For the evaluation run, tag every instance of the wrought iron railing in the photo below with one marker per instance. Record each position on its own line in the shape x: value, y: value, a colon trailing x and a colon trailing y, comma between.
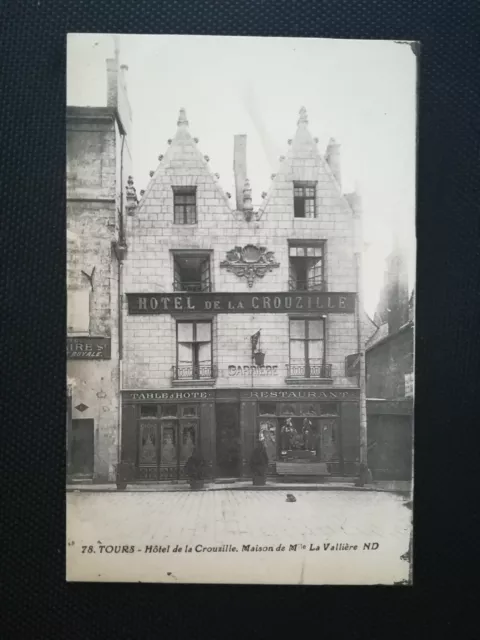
x: 309, y: 370
x: 194, y: 372
x: 312, y: 284
x: 190, y: 287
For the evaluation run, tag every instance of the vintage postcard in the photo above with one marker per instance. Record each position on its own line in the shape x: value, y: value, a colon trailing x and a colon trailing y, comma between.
x: 240, y: 281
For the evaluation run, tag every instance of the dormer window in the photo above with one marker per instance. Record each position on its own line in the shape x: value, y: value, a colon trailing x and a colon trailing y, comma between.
x: 184, y: 205
x: 304, y: 199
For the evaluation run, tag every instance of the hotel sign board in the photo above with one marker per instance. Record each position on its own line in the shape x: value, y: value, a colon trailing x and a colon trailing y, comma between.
x: 87, y: 348
x: 283, y: 302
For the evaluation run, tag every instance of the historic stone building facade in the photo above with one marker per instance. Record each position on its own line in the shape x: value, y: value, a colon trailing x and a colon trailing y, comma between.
x: 237, y: 322
x: 98, y: 161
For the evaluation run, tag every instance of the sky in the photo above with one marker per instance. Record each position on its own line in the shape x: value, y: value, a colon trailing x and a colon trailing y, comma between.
x: 362, y: 93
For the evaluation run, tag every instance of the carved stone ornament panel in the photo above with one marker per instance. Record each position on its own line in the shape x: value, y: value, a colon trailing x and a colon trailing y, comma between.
x: 249, y: 262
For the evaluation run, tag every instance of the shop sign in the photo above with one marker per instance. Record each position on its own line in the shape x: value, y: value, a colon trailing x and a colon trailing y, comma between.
x: 352, y: 365
x: 169, y: 395
x: 250, y: 370
x: 317, y: 302
x: 88, y: 348
x: 307, y: 394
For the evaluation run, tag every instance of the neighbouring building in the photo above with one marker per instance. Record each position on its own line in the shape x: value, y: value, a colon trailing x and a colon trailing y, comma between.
x: 237, y: 321
x: 390, y: 376
x: 98, y: 162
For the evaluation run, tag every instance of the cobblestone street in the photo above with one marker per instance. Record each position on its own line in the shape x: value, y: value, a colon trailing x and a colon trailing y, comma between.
x: 144, y: 528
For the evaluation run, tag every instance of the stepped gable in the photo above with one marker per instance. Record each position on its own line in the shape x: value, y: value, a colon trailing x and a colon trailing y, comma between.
x: 183, y: 165
x: 304, y: 162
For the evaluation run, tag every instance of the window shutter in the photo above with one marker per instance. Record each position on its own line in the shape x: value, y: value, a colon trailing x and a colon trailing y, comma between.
x: 78, y: 311
x: 205, y: 274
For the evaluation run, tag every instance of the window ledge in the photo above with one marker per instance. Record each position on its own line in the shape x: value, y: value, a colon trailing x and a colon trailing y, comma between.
x: 203, y: 382
x: 308, y: 381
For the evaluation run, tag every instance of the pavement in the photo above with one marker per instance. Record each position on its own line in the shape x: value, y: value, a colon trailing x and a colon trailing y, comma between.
x: 239, y: 536
x: 246, y: 485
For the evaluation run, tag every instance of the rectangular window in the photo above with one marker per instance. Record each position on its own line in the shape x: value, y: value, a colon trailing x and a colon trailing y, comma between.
x: 304, y: 199
x: 185, y: 205
x: 148, y: 411
x: 194, y: 350
x: 307, y: 348
x: 191, y: 271
x: 306, y: 267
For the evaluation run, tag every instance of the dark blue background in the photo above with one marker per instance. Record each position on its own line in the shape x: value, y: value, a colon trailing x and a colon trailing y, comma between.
x: 32, y: 345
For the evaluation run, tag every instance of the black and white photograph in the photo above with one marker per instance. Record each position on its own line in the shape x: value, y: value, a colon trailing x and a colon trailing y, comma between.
x: 240, y: 309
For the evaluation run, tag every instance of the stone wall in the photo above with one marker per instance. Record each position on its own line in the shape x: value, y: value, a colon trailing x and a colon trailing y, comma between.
x: 92, y: 145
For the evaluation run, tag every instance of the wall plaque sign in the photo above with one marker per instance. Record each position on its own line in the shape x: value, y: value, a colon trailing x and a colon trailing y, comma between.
x: 249, y: 262
x: 239, y: 370
x: 282, y: 302
x: 86, y: 348
x: 301, y: 394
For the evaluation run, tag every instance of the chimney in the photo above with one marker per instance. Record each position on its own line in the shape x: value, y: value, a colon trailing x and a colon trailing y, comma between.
x: 332, y: 157
x: 240, y: 167
x: 112, y: 82
x: 398, y: 298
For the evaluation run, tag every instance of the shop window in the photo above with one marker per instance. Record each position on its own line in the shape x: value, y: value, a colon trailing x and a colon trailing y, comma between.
x: 329, y: 409
x: 307, y: 349
x: 185, y: 205
x: 189, y: 412
x: 287, y: 410
x: 306, y: 267
x: 148, y: 411
x: 308, y: 410
x: 304, y: 199
x: 191, y: 271
x: 194, y: 350
x: 267, y: 409
x: 169, y: 411
x: 148, y: 444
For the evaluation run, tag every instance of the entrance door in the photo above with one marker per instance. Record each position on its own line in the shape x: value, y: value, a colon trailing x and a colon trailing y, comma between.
x: 178, y: 438
x: 228, y: 440
x: 82, y: 447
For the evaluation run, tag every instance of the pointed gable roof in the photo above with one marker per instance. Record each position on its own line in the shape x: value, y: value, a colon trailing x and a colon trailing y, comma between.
x: 183, y: 163
x: 305, y: 162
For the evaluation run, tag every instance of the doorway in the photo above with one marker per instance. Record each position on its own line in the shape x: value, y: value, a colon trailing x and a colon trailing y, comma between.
x: 81, y: 451
x: 165, y: 445
x: 228, y: 441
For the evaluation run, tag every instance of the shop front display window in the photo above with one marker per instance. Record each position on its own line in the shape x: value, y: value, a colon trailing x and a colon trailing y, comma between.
x: 148, y: 410
x: 267, y: 409
x: 268, y: 435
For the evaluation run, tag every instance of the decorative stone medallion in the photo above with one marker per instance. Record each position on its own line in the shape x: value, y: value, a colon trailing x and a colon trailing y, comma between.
x: 249, y: 262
